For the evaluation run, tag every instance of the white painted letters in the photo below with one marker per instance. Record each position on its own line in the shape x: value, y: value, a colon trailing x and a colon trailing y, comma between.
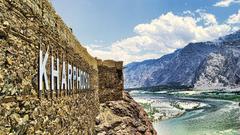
x: 42, y: 71
x: 69, y: 77
x: 79, y: 79
x: 55, y: 73
x: 73, y: 76
x: 64, y: 78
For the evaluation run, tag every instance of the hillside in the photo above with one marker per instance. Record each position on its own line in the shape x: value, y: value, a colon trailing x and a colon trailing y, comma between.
x: 203, y: 64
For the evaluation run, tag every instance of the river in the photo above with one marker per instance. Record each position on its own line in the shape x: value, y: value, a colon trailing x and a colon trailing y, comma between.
x: 219, y: 117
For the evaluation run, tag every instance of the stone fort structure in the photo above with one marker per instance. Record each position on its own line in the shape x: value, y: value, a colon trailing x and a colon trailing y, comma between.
x: 49, y: 84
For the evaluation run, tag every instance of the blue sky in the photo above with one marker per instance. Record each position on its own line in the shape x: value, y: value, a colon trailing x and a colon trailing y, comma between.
x: 134, y: 30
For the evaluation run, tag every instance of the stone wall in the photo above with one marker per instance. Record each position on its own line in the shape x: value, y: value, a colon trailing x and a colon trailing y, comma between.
x: 26, y: 27
x: 30, y: 30
x: 110, y: 80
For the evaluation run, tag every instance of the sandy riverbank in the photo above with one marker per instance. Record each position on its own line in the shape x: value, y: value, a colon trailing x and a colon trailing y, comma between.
x: 160, y: 109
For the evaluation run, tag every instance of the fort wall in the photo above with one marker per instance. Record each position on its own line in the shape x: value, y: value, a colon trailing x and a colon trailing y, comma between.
x: 34, y: 42
x: 110, y: 80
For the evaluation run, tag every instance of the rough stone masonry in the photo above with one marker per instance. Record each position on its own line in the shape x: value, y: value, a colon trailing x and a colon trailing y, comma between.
x: 111, y: 84
x: 48, y: 81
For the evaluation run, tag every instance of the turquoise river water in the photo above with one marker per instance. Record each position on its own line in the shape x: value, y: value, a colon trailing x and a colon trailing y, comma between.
x: 219, y: 117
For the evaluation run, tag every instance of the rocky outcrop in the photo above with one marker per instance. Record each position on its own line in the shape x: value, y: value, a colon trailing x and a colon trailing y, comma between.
x: 204, y: 64
x: 123, y: 117
x: 220, y: 69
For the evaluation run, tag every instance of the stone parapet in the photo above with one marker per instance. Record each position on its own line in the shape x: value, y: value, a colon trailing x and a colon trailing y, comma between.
x: 110, y: 80
x: 110, y: 63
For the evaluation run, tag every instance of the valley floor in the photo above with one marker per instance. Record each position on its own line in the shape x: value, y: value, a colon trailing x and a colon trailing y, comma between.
x: 211, y: 111
x: 163, y: 110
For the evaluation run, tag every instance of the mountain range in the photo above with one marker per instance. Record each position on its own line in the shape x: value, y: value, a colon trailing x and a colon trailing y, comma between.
x: 212, y: 64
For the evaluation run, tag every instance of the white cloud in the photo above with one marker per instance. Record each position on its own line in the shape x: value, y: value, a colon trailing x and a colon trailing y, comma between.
x: 164, y: 35
x: 189, y: 13
x: 226, y: 3
x: 235, y: 18
x: 209, y: 19
x: 119, y: 54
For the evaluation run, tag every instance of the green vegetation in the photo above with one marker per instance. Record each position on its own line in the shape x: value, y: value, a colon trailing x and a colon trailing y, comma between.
x: 232, y: 96
x: 150, y: 110
x: 162, y: 87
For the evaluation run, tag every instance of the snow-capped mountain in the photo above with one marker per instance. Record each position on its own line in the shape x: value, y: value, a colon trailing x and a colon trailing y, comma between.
x: 203, y: 64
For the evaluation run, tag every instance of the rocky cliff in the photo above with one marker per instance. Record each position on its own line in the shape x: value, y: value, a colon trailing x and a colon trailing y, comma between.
x: 204, y: 64
x: 123, y: 117
x: 220, y: 69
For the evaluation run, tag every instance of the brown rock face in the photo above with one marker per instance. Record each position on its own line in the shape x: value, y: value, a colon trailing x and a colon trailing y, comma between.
x: 123, y: 117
